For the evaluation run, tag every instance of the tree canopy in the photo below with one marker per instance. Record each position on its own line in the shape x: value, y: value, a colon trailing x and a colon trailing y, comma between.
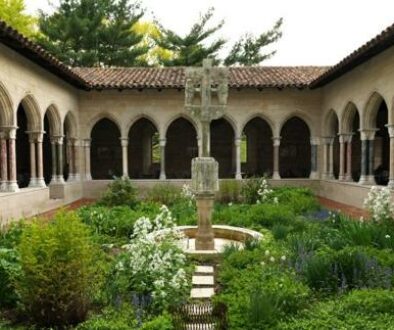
x: 93, y: 33
x: 13, y: 13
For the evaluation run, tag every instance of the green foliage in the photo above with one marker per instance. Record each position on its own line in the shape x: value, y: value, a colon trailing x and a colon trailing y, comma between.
x: 360, y: 309
x: 111, y: 318
x: 121, y: 191
x: 191, y: 49
x: 161, y: 322
x: 301, y: 200
x: 10, y: 236
x: 13, y: 13
x: 59, y: 271
x: 93, y: 33
x: 229, y: 191
x: 249, y: 190
x: 115, y: 222
x: 9, y: 270
x: 247, y: 50
x: 164, y: 194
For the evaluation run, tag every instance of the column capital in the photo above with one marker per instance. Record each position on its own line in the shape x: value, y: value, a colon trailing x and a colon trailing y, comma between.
x: 276, y: 140
x: 162, y: 142
x: 368, y: 134
x: 56, y: 139
x: 315, y: 140
x: 124, y: 142
x: 327, y: 139
x: 390, y: 128
x: 87, y: 142
x: 237, y: 141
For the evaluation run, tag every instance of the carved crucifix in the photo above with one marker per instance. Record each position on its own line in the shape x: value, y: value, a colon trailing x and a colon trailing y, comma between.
x: 211, y: 85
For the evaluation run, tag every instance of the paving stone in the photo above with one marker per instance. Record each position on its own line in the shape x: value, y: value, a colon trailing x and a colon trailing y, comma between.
x: 201, y: 293
x: 204, y: 269
x: 203, y: 280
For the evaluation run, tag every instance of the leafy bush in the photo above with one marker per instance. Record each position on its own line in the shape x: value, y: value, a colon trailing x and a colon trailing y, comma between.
x: 164, y: 194
x: 116, y: 221
x: 268, y: 215
x: 379, y: 204
x: 256, y: 190
x: 161, y: 322
x: 10, y: 236
x: 9, y: 270
x: 360, y: 309
x: 300, y: 200
x: 59, y: 274
x: 121, y: 318
x: 229, y: 191
x: 120, y: 192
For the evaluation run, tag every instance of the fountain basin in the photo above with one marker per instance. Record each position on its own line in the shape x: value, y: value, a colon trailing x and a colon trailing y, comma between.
x: 224, y: 235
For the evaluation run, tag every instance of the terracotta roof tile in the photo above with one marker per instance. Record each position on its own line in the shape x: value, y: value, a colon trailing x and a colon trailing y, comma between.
x: 239, y: 77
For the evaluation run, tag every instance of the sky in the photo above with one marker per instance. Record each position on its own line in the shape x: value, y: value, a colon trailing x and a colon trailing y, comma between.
x: 315, y: 32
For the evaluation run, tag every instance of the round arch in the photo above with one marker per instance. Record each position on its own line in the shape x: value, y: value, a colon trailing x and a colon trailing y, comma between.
x: 100, y: 116
x: 105, y: 151
x: 295, y: 149
x: 33, y: 113
x: 253, y: 116
x: 348, y: 116
x: 181, y: 116
x: 70, y: 127
x: 139, y: 117
x: 55, y: 122
x: 330, y: 124
x: 257, y: 148
x: 143, y: 150
x: 181, y: 148
x: 302, y: 116
x: 6, y: 107
x: 371, y: 110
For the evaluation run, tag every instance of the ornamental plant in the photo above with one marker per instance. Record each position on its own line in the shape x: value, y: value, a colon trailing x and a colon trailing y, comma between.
x: 121, y: 192
x: 379, y: 204
x: 152, y: 270
x: 257, y: 191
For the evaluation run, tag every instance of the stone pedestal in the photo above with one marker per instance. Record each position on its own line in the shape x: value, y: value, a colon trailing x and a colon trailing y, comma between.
x: 205, y: 182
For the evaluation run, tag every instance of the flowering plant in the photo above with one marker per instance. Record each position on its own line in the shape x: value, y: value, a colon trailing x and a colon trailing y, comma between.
x: 379, y: 203
x: 257, y: 191
x: 188, y: 194
x: 265, y: 193
x: 152, y: 265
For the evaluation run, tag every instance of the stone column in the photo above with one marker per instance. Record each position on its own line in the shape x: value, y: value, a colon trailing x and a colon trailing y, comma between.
x: 70, y: 158
x: 331, y: 159
x: 276, y: 145
x: 390, y: 129
x: 367, y: 156
x: 124, y: 142
x: 88, y: 175
x: 314, y: 172
x: 162, y: 143
x: 325, y: 157
x: 199, y: 146
x: 76, y: 157
x: 33, y: 171
x: 237, y: 143
x: 13, y: 182
x: 3, y: 163
x: 60, y: 163
x: 348, y: 176
x: 342, y: 157
x: 40, y: 164
x: 54, y: 162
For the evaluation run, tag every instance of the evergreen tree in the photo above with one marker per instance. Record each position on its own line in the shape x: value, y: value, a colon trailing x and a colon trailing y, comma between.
x: 93, y: 33
x: 247, y: 50
x: 191, y: 49
x: 12, y: 12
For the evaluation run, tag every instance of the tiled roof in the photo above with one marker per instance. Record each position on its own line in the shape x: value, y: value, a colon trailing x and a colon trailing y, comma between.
x: 239, y: 77
x: 373, y: 47
x: 16, y: 41
x: 248, y: 77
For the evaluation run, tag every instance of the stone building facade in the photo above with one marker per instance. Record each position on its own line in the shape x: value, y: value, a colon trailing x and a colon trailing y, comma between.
x: 65, y: 132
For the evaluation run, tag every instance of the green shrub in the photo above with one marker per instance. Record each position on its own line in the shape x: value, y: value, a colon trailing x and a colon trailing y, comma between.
x: 59, y: 272
x: 300, y: 200
x: 111, y: 318
x: 9, y: 270
x: 280, y: 231
x: 249, y: 191
x: 268, y: 215
x: 161, y: 322
x: 360, y: 309
x: 164, y: 194
x: 10, y: 236
x: 229, y: 191
x: 121, y: 191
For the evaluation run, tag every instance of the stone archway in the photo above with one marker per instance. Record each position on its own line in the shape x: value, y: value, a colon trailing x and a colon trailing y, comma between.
x: 70, y: 166
x: 295, y: 149
x: 143, y: 150
x: 257, y: 148
x: 181, y: 148
x: 331, y: 131
x: 223, y: 147
x: 381, y: 162
x: 105, y: 151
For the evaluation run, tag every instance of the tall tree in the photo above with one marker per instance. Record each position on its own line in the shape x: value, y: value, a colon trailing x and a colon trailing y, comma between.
x: 248, y: 49
x: 93, y: 33
x: 13, y: 13
x: 191, y: 49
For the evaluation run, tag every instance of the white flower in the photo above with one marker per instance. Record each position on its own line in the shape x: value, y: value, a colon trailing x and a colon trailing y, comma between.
x: 267, y: 252
x: 262, y: 263
x: 283, y: 258
x: 272, y: 259
x: 230, y: 204
x: 387, y: 236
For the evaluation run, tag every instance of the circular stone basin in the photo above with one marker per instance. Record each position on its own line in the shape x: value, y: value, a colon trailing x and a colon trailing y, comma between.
x: 224, y: 235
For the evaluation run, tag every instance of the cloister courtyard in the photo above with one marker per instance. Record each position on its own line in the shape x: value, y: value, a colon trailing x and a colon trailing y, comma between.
x: 113, y: 215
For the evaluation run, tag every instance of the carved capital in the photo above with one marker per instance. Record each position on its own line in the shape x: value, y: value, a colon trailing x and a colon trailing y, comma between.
x: 162, y: 142
x: 315, y: 140
x: 328, y: 140
x: 276, y: 141
x: 124, y: 142
x: 368, y: 134
x: 390, y: 128
x: 87, y: 143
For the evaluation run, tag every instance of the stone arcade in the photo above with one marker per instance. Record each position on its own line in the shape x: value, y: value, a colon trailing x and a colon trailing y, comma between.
x: 65, y: 132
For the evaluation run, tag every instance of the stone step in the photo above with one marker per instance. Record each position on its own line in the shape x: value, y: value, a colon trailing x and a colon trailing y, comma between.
x: 204, y: 270
x: 203, y: 280
x: 202, y: 293
x: 202, y: 326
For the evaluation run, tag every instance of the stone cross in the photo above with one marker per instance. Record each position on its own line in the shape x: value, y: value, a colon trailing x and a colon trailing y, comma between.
x: 206, y: 82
